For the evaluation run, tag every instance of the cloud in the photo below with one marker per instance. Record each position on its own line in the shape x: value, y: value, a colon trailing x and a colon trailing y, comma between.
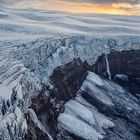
x: 91, y: 1
x: 106, y: 1
x: 100, y: 2
x: 117, y: 1
x: 123, y: 7
x: 8, y: 2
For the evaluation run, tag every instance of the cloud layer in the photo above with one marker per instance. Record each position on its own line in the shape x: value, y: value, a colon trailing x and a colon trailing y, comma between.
x: 108, y: 1
x: 127, y: 7
x: 86, y: 1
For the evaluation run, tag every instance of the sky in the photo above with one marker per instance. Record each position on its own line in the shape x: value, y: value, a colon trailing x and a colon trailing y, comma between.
x: 121, y: 7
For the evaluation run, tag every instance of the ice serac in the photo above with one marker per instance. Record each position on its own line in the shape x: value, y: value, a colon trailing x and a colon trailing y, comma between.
x: 12, y: 121
x: 40, y: 81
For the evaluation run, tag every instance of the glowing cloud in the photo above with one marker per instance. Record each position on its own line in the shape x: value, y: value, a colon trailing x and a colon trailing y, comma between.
x: 122, y: 7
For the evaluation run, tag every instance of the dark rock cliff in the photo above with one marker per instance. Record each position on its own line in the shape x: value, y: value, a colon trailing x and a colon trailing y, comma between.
x: 124, y: 62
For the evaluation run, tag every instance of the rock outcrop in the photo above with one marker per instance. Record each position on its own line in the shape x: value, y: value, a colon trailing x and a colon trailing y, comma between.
x: 125, y: 62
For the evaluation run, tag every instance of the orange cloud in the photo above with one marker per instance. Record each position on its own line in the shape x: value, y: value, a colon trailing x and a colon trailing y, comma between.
x: 114, y: 8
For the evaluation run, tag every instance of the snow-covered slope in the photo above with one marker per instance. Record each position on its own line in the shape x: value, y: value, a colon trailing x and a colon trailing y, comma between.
x: 29, y: 23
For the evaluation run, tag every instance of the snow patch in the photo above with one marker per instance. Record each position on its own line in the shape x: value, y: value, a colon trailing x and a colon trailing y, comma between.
x: 78, y: 127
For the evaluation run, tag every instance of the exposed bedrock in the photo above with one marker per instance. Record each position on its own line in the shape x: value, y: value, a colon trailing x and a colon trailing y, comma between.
x: 125, y: 62
x: 77, y: 101
x: 68, y: 79
x: 123, y: 67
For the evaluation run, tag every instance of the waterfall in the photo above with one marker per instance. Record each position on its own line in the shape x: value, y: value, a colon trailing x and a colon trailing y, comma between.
x: 107, y: 67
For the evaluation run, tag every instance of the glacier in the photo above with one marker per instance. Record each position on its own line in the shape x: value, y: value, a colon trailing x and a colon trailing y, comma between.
x: 24, y: 67
x: 29, y: 54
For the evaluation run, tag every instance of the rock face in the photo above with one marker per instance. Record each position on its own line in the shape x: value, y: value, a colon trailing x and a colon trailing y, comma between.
x: 124, y: 62
x: 35, y: 129
x: 45, y: 83
x: 124, y: 68
x: 69, y: 78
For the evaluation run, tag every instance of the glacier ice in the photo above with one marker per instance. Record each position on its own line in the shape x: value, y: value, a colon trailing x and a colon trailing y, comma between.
x: 78, y: 127
x: 88, y: 85
x: 108, y: 68
x: 27, y: 64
